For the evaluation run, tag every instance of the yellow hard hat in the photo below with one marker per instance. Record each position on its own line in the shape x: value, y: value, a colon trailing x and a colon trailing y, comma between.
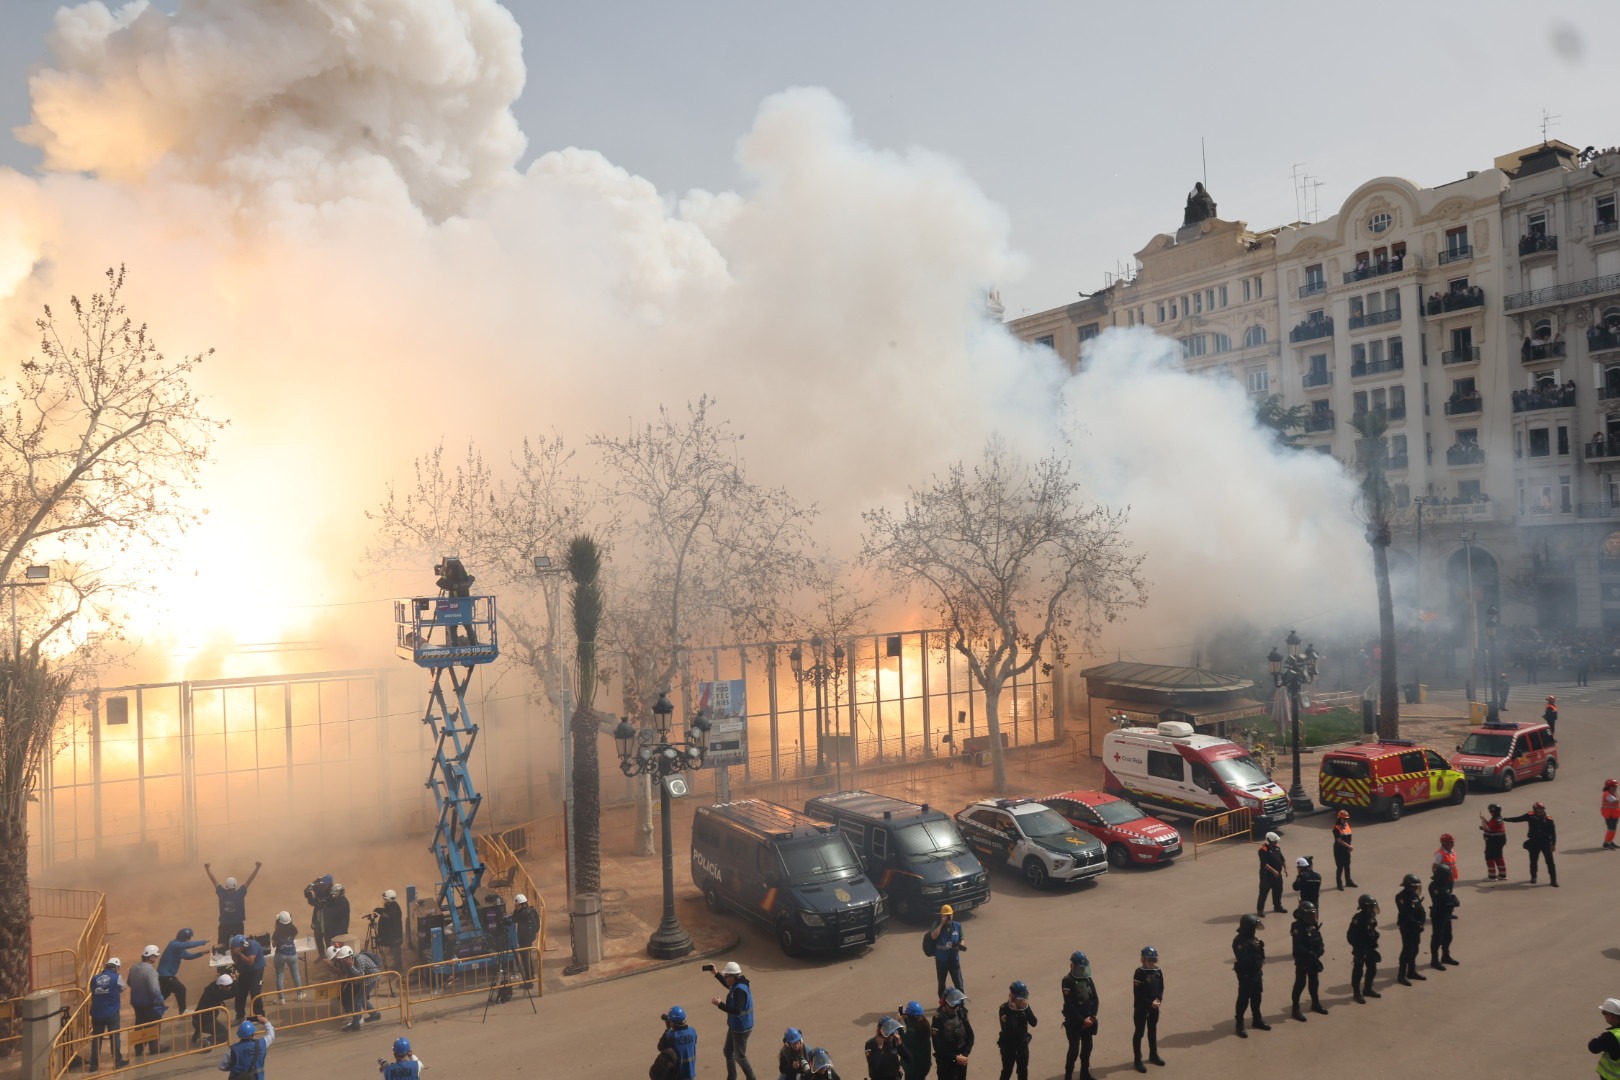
x: 947, y: 910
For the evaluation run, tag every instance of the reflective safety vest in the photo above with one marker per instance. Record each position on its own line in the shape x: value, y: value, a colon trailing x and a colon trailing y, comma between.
x: 1607, y: 1067
x: 1448, y: 859
x: 407, y: 1069
x: 684, y: 1040
x: 743, y: 1018
x: 246, y: 1059
x: 106, y: 994
x: 1609, y: 807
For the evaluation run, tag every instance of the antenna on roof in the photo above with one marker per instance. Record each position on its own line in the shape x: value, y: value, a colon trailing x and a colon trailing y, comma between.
x: 1299, y: 209
x: 1548, y: 122
x: 1204, y: 157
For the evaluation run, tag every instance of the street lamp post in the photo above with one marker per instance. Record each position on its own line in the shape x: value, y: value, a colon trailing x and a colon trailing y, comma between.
x: 1290, y: 673
x: 1493, y: 619
x: 32, y: 577
x: 820, y: 673
x: 651, y: 752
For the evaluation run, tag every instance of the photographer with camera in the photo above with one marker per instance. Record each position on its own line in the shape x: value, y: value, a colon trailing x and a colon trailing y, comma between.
x: 526, y: 918
x: 405, y: 1066
x: 388, y: 930
x: 337, y: 913
x: 317, y: 893
x: 738, y: 1005
x: 677, y: 1048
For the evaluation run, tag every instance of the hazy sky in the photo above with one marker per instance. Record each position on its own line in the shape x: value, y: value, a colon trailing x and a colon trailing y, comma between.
x: 1082, y: 120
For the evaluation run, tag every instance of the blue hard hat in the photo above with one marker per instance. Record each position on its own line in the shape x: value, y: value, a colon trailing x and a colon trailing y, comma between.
x: 237, y: 939
x: 792, y: 1035
x: 1019, y: 989
x: 1078, y: 957
x: 1149, y: 953
x: 186, y: 933
x: 326, y: 879
x: 402, y: 1046
x: 912, y: 1008
x: 677, y: 1014
x: 888, y: 1026
x: 246, y: 1030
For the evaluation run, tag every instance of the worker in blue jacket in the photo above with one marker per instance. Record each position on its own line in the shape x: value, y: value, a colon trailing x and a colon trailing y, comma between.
x: 106, y: 1002
x: 245, y: 1058
x: 181, y: 948
x: 682, y: 1040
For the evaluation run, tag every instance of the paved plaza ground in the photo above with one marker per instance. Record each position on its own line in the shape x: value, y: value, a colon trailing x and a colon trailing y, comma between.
x: 1535, y: 960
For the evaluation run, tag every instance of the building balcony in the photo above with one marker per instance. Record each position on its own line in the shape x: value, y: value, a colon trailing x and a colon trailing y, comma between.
x: 1375, y: 318
x: 1392, y: 412
x: 1462, y: 253
x: 1311, y: 330
x: 1531, y: 245
x: 1465, y: 455
x: 1318, y: 422
x: 1443, y: 303
x: 1460, y: 356
x: 1608, y: 393
x: 1602, y: 450
x: 1317, y: 378
x: 1561, y: 397
x: 1312, y: 288
x: 1481, y: 510
x: 1377, y: 367
x: 1602, y: 339
x: 1464, y: 406
x: 1397, y: 463
x: 1382, y: 268
x: 1555, y: 294
x: 1533, y: 351
x: 1599, y: 511
x: 1604, y: 228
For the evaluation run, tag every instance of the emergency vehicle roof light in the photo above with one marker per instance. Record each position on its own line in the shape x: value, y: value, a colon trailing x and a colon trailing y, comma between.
x: 1399, y: 742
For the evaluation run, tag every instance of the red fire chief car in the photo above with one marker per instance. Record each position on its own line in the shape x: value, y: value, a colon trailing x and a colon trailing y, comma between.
x: 1131, y: 837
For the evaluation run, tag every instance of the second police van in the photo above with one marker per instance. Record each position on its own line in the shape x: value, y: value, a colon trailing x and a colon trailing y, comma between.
x: 1174, y: 769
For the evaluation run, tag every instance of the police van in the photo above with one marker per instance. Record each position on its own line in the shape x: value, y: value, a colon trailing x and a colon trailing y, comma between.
x: 794, y: 875
x: 1172, y: 768
x: 912, y: 851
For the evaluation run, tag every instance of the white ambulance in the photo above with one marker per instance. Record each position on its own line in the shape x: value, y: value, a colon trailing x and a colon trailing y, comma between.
x: 1171, y: 768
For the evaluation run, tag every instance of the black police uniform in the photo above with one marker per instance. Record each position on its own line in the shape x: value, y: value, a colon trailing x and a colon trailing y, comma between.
x: 1443, y: 905
x: 1079, y: 1005
x: 1308, y: 951
x: 1146, y: 988
x: 1013, y: 1041
x: 1249, y: 960
x: 953, y: 1035
x: 1363, y: 939
x: 1542, y: 838
x: 1271, y: 878
x: 886, y: 1059
x: 1308, y: 883
x: 1410, y: 919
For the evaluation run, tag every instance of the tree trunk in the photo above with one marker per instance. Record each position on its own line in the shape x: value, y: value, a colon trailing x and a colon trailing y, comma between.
x: 16, y: 932
x: 1389, y: 704
x: 992, y: 721
x: 587, y: 802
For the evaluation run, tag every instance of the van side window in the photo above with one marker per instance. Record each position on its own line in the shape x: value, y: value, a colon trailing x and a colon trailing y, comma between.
x: 1202, y: 777
x: 766, y: 856
x: 1534, y: 740
x: 737, y: 846
x: 705, y: 833
x: 1435, y: 760
x: 856, y: 833
x: 1412, y: 761
x: 880, y: 843
x: 1164, y: 766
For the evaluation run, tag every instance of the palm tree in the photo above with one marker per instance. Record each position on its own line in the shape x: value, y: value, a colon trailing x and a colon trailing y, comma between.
x: 584, y: 563
x: 1377, y: 503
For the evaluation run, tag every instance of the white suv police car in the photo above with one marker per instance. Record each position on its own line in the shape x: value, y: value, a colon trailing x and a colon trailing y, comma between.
x: 1032, y: 838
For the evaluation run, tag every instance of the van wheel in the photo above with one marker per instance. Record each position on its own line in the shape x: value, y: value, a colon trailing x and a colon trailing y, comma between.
x: 1550, y: 773
x: 1459, y: 792
x: 1035, y: 873
x: 711, y: 898
x: 904, y: 910
x: 1507, y: 779
x: 1393, y: 810
x: 786, y: 938
x: 1118, y: 857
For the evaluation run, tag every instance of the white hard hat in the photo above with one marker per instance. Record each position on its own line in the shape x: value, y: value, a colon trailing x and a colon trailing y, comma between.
x: 151, y: 950
x: 223, y: 980
x: 1302, y: 862
x: 230, y: 883
x: 115, y: 962
x: 283, y: 917
x: 331, y: 952
x: 1611, y: 1006
x: 390, y: 894
x: 520, y: 899
x: 1272, y: 838
x: 344, y: 952
x: 731, y: 969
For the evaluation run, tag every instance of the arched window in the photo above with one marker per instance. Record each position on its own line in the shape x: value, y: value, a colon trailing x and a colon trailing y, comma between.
x: 1253, y: 336
x: 1542, y: 330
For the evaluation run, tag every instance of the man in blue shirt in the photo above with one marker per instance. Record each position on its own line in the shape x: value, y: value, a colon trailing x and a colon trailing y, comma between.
x: 181, y: 948
x: 106, y: 1001
x: 232, y: 903
x: 245, y: 1058
x: 947, y: 935
x: 248, y: 955
x: 405, y: 1066
x: 682, y: 1040
x: 738, y: 1005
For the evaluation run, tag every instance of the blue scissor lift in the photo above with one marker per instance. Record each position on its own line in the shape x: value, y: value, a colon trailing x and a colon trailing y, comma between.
x: 449, y: 635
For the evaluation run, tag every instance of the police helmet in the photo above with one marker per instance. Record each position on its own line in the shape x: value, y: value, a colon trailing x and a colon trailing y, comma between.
x: 246, y: 1030
x: 953, y: 997
x: 912, y: 1008
x: 676, y: 1014
x: 1302, y: 862
x: 793, y: 1035
x: 1447, y: 839
x: 402, y: 1046
x: 1149, y: 953
x: 186, y: 934
x: 1305, y: 908
x: 1495, y: 808
x: 1539, y: 806
x: 888, y: 1026
x: 1411, y: 881
x: 1251, y: 923
x: 1078, y: 957
x: 819, y: 1060
x: 1367, y: 901
x: 1019, y: 989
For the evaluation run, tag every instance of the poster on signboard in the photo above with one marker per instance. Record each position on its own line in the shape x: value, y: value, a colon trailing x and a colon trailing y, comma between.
x: 725, y: 704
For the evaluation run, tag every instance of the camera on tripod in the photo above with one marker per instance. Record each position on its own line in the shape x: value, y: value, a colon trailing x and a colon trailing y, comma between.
x: 371, y: 917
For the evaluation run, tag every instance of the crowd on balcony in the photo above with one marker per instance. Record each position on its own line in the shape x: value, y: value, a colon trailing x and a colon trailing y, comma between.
x: 1532, y: 242
x: 1546, y: 395
x: 1465, y: 402
x: 1601, y: 445
x: 1604, y: 335
x: 1463, y: 452
x: 1477, y: 499
x: 1384, y: 264
x: 1540, y: 346
x: 1314, y: 325
x: 1456, y: 299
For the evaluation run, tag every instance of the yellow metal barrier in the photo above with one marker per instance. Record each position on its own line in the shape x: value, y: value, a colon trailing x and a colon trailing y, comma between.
x: 1232, y: 824
x: 336, y: 999
x: 517, y: 970
x: 504, y: 870
x: 11, y: 1017
x: 163, y: 1040
x: 63, y: 903
x: 50, y: 970
x: 91, y: 949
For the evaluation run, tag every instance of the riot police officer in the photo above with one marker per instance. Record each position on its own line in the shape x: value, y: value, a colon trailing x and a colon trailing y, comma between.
x: 1307, y: 882
x: 953, y: 1036
x: 1443, y: 905
x: 1248, y: 963
x: 886, y: 1053
x: 1308, y: 950
x: 1147, y: 993
x: 1410, y: 918
x: 1363, y: 939
x: 1016, y: 1019
x: 1079, y: 1015
x: 918, y: 1039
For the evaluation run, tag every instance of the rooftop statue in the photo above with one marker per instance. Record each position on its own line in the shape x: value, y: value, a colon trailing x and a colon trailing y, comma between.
x: 1200, y: 206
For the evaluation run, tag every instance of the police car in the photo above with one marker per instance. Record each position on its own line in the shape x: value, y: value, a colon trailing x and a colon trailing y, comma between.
x: 1032, y: 838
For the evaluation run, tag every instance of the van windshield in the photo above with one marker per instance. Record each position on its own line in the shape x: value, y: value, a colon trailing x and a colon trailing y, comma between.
x: 930, y: 840
x: 1239, y: 772
x: 1492, y: 745
x: 824, y: 857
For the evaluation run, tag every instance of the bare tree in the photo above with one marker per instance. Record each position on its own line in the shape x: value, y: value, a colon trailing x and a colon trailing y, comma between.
x: 1018, y: 565
x: 1377, y: 508
x: 100, y: 434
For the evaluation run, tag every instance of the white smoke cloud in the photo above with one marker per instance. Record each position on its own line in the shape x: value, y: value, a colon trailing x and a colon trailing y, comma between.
x: 327, y: 192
